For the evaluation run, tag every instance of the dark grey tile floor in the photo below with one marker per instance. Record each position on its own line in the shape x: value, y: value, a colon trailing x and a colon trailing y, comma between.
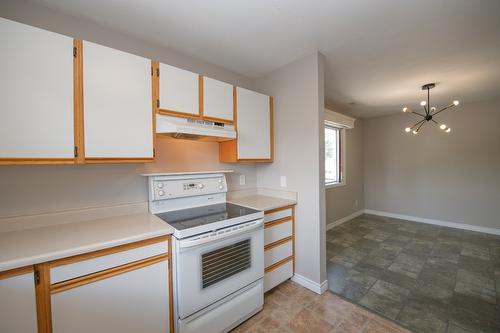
x: 425, y: 277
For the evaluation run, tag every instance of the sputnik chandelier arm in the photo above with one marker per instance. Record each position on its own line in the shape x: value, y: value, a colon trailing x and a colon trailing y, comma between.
x: 430, y: 112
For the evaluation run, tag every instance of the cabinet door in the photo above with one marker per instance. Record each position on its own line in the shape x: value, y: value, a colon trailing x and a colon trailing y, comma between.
x: 18, y: 304
x: 254, y: 125
x: 217, y: 100
x: 178, y: 91
x: 134, y: 301
x: 36, y: 95
x: 117, y: 104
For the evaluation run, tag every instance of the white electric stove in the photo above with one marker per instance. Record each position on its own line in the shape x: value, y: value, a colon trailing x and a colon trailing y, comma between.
x: 218, y: 251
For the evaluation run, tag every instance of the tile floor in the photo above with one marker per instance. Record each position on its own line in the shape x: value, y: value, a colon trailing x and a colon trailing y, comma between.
x: 425, y: 277
x: 293, y: 308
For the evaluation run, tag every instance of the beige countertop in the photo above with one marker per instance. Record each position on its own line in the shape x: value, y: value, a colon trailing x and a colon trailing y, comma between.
x: 30, y: 246
x: 262, y: 202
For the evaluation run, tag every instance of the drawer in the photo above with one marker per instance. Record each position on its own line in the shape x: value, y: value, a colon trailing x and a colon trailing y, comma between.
x: 278, y: 275
x: 84, y: 267
x: 277, y: 253
x: 277, y: 215
x: 273, y: 233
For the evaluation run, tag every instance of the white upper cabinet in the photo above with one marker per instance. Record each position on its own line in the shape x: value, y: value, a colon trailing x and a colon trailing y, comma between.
x: 36, y: 93
x: 254, y: 125
x: 18, y: 304
x: 117, y: 104
x: 178, y: 90
x: 217, y: 100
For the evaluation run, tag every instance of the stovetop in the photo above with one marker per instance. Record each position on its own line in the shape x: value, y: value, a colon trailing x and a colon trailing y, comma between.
x: 201, y: 218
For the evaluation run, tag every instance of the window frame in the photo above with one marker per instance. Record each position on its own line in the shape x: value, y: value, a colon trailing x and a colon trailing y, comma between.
x: 341, y: 156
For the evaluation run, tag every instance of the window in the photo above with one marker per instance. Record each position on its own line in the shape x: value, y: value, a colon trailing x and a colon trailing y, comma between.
x: 333, y: 155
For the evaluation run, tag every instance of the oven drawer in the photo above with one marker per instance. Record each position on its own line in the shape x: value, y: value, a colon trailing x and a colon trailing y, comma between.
x: 278, y: 275
x: 278, y: 215
x: 84, y: 267
x: 275, y: 232
x: 227, y: 313
x: 278, y: 253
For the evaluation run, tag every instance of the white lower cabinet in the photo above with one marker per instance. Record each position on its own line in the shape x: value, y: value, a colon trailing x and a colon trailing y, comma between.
x: 17, y: 304
x: 134, y: 301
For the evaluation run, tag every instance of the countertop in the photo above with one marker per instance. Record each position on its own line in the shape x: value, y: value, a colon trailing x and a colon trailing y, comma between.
x: 25, y: 247
x: 262, y: 202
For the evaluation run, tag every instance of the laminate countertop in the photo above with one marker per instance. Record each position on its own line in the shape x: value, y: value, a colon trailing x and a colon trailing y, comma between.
x: 29, y: 246
x: 262, y: 202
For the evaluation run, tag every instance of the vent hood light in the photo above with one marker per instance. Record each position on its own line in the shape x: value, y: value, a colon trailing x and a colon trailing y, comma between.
x: 193, y: 129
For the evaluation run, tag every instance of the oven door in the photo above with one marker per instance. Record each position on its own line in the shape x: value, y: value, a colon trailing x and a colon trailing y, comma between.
x: 212, y: 269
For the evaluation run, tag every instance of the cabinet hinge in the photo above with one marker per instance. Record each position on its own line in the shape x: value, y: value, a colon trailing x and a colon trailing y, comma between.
x: 157, y: 103
x: 76, y: 151
x: 157, y: 72
x: 36, y: 276
x: 74, y: 51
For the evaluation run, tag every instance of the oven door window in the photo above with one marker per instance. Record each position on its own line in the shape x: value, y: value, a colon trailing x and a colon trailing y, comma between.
x: 224, y: 262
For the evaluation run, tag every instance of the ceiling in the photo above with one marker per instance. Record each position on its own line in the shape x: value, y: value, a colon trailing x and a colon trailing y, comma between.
x: 378, y: 53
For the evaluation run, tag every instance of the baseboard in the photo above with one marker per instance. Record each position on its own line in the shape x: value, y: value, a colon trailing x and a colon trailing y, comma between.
x: 344, y: 219
x: 455, y: 225
x: 318, y: 288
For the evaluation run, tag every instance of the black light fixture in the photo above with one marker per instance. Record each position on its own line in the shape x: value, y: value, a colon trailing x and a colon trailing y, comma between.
x: 430, y: 112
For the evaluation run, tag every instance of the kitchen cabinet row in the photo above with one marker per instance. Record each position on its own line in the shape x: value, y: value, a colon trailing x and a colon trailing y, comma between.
x: 64, y: 100
x: 122, y: 289
x: 279, y: 246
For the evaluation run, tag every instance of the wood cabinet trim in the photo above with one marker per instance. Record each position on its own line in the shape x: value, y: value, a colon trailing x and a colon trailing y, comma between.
x: 293, y: 237
x: 105, y: 274
x: 278, y: 264
x: 118, y: 160
x: 155, y: 95
x: 42, y: 295
x: 200, y: 96
x: 15, y: 272
x: 104, y: 252
x: 273, y: 223
x: 278, y: 243
x: 274, y: 210
x: 78, y: 117
x: 170, y: 287
x: 43, y: 160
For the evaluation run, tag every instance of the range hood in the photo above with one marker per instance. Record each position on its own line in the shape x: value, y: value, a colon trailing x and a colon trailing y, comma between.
x: 193, y: 129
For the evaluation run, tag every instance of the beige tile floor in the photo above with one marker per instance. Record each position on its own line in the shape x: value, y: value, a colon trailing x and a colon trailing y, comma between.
x: 293, y: 308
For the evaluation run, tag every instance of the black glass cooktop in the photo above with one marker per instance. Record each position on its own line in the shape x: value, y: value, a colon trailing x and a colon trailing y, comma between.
x: 195, y: 217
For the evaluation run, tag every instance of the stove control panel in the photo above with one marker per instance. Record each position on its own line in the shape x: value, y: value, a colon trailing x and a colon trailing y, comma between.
x: 162, y: 188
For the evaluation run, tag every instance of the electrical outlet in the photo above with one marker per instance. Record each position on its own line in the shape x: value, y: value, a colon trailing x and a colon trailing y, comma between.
x: 283, y: 181
x: 242, y: 180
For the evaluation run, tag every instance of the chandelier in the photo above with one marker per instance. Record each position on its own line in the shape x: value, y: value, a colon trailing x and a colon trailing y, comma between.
x: 430, y: 112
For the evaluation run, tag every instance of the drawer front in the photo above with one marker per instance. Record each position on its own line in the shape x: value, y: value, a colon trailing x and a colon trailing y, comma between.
x: 278, y: 231
x: 278, y: 275
x: 277, y: 253
x: 84, y: 267
x: 278, y: 215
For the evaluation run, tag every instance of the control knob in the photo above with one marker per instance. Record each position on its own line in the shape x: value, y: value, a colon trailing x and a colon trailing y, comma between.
x: 200, y: 186
x: 161, y: 192
x: 160, y: 185
x: 221, y: 187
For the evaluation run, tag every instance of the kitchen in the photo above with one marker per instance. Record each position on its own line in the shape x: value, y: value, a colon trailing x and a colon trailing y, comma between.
x: 76, y: 263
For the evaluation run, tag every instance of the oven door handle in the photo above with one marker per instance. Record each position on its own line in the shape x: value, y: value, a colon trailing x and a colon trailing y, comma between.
x: 221, y: 234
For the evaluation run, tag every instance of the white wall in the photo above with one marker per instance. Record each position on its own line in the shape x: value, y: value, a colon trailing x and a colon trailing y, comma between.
x: 298, y: 93
x: 451, y: 177
x: 341, y: 201
x: 36, y: 189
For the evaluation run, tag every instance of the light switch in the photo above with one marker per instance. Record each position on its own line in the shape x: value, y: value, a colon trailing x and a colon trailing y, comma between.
x: 242, y: 180
x: 283, y: 181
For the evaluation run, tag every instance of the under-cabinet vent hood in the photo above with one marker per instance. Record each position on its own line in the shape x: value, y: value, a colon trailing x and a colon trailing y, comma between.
x: 194, y: 129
